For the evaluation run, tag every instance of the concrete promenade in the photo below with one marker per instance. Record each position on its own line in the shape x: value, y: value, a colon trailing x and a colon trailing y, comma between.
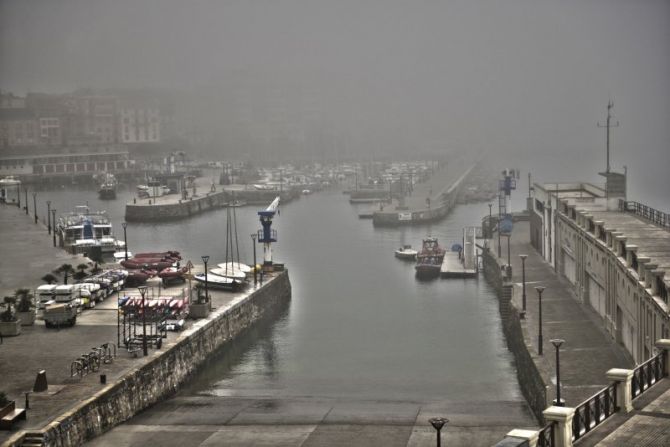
x: 586, y: 355
x: 38, y: 348
x: 588, y: 351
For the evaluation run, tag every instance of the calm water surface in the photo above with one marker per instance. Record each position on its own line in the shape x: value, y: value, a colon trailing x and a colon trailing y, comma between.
x: 359, y: 325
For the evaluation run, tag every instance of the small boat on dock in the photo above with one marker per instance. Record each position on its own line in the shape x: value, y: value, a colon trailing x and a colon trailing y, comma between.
x: 229, y: 273
x: 235, y: 266
x: 406, y: 252
x: 218, y: 282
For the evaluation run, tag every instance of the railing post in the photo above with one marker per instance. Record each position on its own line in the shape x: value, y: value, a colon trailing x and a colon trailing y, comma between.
x: 624, y: 387
x: 529, y: 435
x: 663, y: 344
x: 562, y: 416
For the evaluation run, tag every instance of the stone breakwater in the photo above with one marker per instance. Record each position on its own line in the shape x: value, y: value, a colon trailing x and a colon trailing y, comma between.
x: 161, y: 210
x: 166, y: 370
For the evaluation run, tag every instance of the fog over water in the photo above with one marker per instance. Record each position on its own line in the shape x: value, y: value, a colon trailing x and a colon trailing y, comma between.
x: 524, y: 79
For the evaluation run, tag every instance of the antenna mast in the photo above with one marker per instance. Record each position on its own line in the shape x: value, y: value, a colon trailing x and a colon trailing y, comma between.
x: 607, y: 125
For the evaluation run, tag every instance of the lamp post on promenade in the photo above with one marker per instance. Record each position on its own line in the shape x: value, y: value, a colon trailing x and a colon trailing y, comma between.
x: 437, y: 424
x: 539, y: 289
x: 557, y: 342
x: 205, y: 260
x: 523, y: 281
x: 26, y: 201
x: 143, y: 291
x: 18, y: 195
x: 53, y: 215
x: 49, y: 216
x: 509, y: 263
x: 125, y: 238
x: 253, y: 243
x: 35, y: 205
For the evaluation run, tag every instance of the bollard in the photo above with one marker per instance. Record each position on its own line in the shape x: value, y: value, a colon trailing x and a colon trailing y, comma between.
x: 27, y: 401
x: 41, y: 383
x: 103, y: 379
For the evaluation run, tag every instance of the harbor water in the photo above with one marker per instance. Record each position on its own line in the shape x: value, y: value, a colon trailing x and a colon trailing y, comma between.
x: 359, y: 326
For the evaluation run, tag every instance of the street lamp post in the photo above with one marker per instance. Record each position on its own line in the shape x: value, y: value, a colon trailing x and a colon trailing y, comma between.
x: 539, y: 289
x: 509, y: 263
x: 143, y: 291
x: 125, y: 238
x: 557, y: 342
x: 26, y: 201
x: 49, y: 216
x: 523, y: 281
x: 205, y: 260
x: 253, y: 238
x: 53, y: 215
x: 437, y: 424
x: 18, y: 195
x: 35, y: 205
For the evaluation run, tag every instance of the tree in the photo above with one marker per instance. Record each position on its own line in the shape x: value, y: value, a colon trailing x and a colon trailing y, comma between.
x: 81, y: 272
x: 8, y: 314
x: 49, y: 278
x: 65, y: 269
x: 24, y: 300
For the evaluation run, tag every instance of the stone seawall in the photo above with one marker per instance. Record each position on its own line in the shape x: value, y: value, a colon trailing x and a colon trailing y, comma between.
x: 181, y: 209
x: 533, y: 385
x: 167, y: 370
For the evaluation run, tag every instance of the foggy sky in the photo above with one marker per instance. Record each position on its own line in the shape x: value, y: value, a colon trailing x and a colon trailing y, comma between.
x: 527, y: 80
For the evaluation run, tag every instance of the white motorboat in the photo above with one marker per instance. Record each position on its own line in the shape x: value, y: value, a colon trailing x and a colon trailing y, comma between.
x: 235, y: 266
x: 406, y: 252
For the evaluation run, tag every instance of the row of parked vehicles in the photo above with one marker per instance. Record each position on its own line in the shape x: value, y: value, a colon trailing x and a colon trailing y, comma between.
x: 59, y: 305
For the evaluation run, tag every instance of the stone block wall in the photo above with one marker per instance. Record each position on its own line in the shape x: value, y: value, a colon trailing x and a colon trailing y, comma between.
x: 162, y: 376
x: 531, y: 381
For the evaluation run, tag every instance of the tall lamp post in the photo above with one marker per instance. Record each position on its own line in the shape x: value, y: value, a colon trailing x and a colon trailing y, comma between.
x: 143, y: 291
x: 125, y: 238
x: 53, y: 215
x: 509, y: 263
x: 253, y: 238
x: 49, y: 216
x: 437, y: 424
x: 35, y: 205
x: 557, y: 342
x: 205, y: 260
x: 523, y: 281
x: 26, y: 201
x: 539, y: 289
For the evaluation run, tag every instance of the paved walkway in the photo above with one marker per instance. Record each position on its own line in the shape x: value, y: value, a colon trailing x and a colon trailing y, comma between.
x: 588, y: 351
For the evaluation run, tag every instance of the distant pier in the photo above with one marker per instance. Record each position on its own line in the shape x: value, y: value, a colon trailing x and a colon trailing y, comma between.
x: 429, y: 201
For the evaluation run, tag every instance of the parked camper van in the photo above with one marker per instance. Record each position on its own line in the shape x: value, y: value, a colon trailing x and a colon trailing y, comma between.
x: 44, y: 294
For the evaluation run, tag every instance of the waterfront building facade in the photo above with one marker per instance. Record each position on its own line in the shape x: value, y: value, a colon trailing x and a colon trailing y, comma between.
x: 615, y: 253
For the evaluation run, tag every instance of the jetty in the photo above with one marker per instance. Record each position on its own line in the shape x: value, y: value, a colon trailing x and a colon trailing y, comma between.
x: 427, y: 201
x: 203, y: 195
x: 462, y: 264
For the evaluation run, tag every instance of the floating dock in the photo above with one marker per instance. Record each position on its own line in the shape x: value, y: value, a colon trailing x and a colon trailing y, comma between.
x: 463, y: 264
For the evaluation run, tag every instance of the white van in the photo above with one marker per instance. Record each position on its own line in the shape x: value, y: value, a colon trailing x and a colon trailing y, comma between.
x: 82, y: 293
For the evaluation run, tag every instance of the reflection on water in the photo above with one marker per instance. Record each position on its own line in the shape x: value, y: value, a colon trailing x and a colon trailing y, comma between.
x: 359, y: 325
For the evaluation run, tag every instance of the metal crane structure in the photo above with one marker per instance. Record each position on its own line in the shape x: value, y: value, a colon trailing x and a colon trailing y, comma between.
x: 267, y: 235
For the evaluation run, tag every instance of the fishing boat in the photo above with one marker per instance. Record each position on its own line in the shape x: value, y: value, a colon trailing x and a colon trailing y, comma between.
x: 406, y: 252
x: 82, y: 229
x: 218, y: 282
x: 430, y: 247
x: 107, y: 186
x: 428, y: 266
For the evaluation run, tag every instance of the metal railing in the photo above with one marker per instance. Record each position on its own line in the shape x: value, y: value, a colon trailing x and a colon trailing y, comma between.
x: 546, y: 436
x: 653, y: 215
x: 647, y: 374
x: 594, y: 411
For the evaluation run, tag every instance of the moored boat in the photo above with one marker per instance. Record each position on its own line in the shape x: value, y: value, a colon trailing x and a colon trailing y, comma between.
x: 236, y: 266
x: 430, y: 247
x: 107, y: 186
x: 171, y: 274
x: 428, y: 266
x: 229, y: 273
x: 218, y: 282
x: 406, y: 252
x: 83, y: 229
